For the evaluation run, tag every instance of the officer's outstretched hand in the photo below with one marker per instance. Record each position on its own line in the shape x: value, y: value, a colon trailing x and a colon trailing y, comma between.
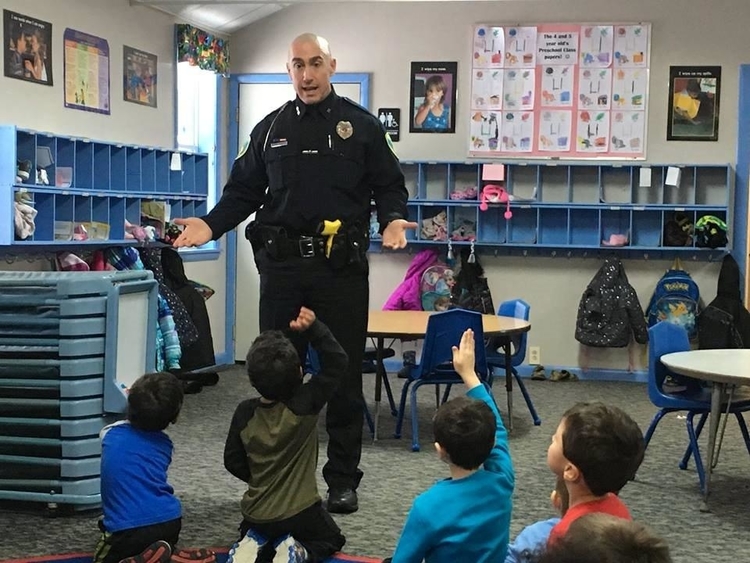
x: 196, y: 232
x: 304, y: 320
x: 394, y: 235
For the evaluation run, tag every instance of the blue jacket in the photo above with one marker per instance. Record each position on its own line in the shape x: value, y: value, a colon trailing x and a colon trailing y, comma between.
x: 532, y: 538
x: 135, y: 491
x: 464, y: 519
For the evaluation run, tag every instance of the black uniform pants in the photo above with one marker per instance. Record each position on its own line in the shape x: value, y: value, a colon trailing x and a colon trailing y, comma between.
x: 313, y: 528
x: 339, y: 298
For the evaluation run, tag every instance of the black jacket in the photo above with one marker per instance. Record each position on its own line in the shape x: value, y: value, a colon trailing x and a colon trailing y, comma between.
x: 307, y: 163
x: 609, y: 311
x: 725, y: 323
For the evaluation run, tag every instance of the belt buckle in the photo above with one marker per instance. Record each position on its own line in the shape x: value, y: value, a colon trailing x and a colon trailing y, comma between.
x: 306, y: 247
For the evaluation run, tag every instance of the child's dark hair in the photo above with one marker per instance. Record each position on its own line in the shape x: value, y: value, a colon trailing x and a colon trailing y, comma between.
x: 604, y: 443
x: 154, y: 401
x: 273, y: 366
x: 465, y: 429
x: 603, y: 538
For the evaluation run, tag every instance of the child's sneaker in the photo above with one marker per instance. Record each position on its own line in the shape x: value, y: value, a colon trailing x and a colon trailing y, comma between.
x: 157, y: 552
x: 246, y: 550
x: 288, y: 550
x: 193, y: 556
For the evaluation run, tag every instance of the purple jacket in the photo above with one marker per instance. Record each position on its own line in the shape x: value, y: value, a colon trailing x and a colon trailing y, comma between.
x: 407, y: 297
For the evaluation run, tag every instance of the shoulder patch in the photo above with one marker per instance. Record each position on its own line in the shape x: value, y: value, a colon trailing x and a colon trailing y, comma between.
x: 390, y: 144
x: 243, y: 149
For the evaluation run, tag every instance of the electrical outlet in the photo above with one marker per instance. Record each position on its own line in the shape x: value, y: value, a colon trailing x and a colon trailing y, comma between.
x: 535, y: 355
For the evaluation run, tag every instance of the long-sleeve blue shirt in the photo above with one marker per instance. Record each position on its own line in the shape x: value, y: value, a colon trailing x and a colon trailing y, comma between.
x: 464, y: 519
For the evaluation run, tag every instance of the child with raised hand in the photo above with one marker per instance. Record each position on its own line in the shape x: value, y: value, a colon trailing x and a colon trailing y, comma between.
x: 272, y: 446
x: 467, y: 516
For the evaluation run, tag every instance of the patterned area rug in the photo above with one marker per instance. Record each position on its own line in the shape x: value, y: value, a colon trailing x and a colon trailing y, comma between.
x: 221, y: 557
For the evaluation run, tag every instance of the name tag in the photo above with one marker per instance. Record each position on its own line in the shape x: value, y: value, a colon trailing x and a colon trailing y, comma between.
x: 276, y: 143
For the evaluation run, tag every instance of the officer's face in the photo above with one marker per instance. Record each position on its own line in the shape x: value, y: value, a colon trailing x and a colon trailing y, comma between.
x: 310, y: 69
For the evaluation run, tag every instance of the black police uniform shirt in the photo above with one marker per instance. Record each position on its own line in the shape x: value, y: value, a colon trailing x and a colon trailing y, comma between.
x: 308, y: 163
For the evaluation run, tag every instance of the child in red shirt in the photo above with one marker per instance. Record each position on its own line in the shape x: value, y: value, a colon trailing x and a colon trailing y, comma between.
x: 596, y: 449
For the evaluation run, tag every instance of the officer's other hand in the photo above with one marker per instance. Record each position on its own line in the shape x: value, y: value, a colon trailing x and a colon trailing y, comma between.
x: 196, y: 232
x: 304, y: 320
x: 394, y: 235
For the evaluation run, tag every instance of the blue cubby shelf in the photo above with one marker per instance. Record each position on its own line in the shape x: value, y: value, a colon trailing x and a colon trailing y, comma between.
x: 567, y: 209
x: 92, y: 181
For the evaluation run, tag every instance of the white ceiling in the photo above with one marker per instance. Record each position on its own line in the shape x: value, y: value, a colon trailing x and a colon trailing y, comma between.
x: 227, y: 16
x: 223, y: 18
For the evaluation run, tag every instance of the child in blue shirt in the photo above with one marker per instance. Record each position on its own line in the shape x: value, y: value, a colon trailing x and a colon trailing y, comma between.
x: 533, y: 538
x: 138, y: 503
x: 465, y: 517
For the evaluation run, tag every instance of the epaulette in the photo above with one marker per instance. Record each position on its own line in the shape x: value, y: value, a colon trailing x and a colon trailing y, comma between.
x: 355, y: 104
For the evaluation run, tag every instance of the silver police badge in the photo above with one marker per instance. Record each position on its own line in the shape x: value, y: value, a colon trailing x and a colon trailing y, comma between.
x: 344, y: 129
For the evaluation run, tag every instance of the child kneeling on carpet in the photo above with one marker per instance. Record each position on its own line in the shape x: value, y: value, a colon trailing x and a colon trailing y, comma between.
x: 272, y: 446
x: 466, y: 517
x: 596, y: 449
x: 138, y: 503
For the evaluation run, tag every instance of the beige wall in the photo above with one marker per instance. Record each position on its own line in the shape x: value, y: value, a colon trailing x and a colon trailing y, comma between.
x: 32, y: 106
x: 383, y: 38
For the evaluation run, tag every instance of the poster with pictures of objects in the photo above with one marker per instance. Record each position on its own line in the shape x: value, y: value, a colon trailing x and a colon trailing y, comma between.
x: 139, y: 77
x: 558, y: 90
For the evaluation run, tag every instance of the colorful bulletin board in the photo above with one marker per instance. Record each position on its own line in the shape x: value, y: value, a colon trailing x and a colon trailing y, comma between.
x: 560, y: 91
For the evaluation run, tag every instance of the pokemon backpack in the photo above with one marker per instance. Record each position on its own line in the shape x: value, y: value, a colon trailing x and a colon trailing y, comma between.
x: 676, y: 300
x: 435, y: 287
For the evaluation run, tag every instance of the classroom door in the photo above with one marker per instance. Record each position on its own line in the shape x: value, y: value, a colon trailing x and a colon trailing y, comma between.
x: 256, y: 100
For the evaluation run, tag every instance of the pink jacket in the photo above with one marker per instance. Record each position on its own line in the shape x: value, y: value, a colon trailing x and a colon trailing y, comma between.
x: 406, y: 297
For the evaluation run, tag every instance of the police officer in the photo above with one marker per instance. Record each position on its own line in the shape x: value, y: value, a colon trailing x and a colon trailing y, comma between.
x: 311, y: 170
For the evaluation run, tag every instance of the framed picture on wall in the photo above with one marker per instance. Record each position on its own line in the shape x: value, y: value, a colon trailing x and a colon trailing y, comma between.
x: 432, y: 102
x: 28, y: 48
x: 139, y: 76
x: 694, y: 93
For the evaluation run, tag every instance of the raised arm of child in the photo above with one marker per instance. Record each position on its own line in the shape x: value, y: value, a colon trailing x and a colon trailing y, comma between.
x: 311, y: 397
x: 464, y: 363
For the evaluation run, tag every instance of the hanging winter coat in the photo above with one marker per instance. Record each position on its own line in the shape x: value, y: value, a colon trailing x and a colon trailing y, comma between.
x: 725, y: 323
x: 609, y: 311
x: 407, y: 297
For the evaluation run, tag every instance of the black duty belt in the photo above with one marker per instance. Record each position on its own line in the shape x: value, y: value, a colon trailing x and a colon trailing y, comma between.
x: 302, y: 246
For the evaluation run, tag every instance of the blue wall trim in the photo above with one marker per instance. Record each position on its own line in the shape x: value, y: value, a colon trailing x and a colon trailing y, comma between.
x: 742, y: 173
x: 232, y: 149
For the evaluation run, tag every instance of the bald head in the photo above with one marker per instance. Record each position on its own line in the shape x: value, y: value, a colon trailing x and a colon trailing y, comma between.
x: 320, y: 42
x: 310, y: 66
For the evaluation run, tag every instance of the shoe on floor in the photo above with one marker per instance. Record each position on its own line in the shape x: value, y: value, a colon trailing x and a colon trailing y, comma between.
x: 538, y: 373
x: 562, y: 375
x: 289, y: 550
x: 157, y: 552
x: 342, y: 501
x: 246, y: 550
x: 193, y: 556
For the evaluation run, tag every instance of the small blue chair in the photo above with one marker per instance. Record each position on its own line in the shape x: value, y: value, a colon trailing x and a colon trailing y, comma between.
x: 444, y: 330
x: 665, y: 338
x: 519, y: 309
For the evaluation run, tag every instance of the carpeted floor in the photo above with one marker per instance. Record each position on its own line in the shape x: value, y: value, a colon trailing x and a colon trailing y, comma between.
x: 663, y: 496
